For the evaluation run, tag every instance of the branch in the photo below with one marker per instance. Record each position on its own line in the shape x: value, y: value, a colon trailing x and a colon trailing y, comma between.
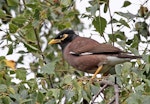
x: 106, y: 84
x: 111, y: 18
x: 43, y: 57
x: 145, y: 2
x: 38, y: 43
x: 116, y: 94
x: 98, y: 93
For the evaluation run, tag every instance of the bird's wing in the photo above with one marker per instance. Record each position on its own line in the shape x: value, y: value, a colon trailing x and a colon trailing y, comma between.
x: 82, y: 45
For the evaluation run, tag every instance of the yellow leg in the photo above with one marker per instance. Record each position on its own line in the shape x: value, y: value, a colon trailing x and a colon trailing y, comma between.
x: 97, y: 71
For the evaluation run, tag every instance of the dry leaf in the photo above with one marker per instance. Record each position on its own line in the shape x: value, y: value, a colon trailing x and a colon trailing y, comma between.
x: 10, y: 63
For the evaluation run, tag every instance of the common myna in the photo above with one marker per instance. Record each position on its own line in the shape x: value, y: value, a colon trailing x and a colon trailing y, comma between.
x: 88, y: 55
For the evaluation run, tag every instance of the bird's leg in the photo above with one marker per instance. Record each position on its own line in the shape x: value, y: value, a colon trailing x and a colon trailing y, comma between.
x: 97, y: 71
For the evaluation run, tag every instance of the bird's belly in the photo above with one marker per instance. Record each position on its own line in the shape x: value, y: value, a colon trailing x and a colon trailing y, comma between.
x: 105, y: 69
x: 87, y: 63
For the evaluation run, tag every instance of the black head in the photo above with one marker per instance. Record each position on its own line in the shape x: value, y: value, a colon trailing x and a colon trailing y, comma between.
x: 63, y: 38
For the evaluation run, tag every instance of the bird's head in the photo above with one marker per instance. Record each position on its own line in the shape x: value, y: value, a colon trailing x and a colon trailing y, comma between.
x: 63, y: 38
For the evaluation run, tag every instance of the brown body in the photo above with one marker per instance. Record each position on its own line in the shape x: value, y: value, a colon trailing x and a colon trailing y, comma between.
x: 90, y: 62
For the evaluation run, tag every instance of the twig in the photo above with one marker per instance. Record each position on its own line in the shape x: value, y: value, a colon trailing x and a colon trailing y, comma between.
x: 106, y: 84
x: 38, y: 43
x: 43, y: 57
x: 111, y: 18
x: 116, y: 94
x: 145, y: 2
x: 99, y: 93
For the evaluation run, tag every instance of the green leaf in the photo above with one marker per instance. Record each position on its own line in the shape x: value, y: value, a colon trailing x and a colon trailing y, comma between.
x: 11, y: 89
x: 30, y: 33
x: 12, y: 2
x: 40, y: 97
x: 94, y: 89
x: 106, y: 7
x: 55, y: 93
x: 67, y: 79
x: 69, y: 94
x: 3, y: 87
x: 147, y: 68
x: 15, y: 96
x: 2, y: 14
x: 5, y: 100
x: 19, y: 20
x: 139, y: 88
x: 26, y: 101
x: 146, y: 58
x: 32, y: 5
x: 147, y: 82
x: 93, y: 9
x: 30, y: 47
x: 134, y: 99
x: 10, y: 49
x: 51, y: 101
x: 21, y: 74
x: 13, y: 28
x: 126, y: 15
x: 49, y: 68
x: 85, y: 96
x: 99, y: 24
x: 123, y: 22
x: 126, y: 3
x: 37, y: 14
x: 145, y: 99
x: 127, y: 65
x: 134, y: 51
x: 65, y: 2
x: 118, y: 69
x: 126, y: 68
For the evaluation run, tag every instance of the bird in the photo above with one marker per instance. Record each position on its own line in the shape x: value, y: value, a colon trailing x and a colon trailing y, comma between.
x: 88, y: 55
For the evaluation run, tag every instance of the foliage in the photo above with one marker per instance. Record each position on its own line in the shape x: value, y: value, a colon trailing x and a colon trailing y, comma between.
x: 32, y: 23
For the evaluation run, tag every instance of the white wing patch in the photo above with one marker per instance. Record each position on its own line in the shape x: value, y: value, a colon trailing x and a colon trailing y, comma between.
x: 81, y: 54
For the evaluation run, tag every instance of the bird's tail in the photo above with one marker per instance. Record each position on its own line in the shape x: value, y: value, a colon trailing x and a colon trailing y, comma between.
x: 129, y: 56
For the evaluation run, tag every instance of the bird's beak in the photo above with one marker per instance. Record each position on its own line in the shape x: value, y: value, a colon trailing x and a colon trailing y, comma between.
x: 54, y: 41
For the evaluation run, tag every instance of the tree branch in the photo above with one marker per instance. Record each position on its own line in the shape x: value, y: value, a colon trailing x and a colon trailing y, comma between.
x: 43, y: 57
x: 111, y: 18
x: 106, y: 84
x: 98, y: 93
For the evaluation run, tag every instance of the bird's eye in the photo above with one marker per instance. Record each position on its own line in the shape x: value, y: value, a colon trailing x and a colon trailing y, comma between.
x: 61, y: 36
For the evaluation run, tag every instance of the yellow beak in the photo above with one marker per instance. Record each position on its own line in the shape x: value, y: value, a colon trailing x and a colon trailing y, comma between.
x: 54, y: 41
